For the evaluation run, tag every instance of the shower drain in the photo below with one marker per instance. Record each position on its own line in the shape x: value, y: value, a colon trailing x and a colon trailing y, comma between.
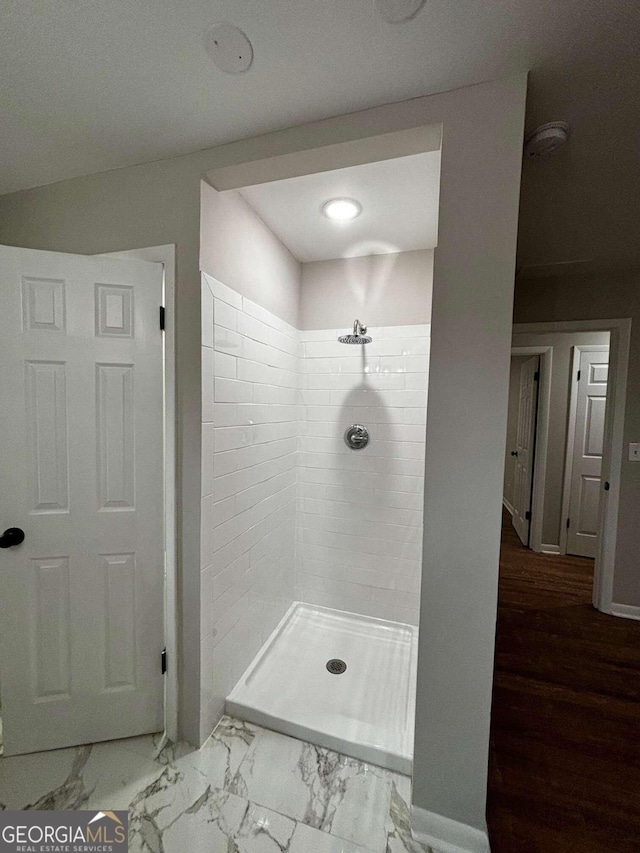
x: 336, y: 666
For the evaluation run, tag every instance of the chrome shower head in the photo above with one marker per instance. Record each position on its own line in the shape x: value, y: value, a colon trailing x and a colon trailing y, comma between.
x: 358, y: 336
x: 354, y: 339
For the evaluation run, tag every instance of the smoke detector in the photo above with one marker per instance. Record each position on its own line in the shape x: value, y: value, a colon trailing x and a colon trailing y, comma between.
x: 546, y: 138
x: 229, y: 48
x: 397, y: 11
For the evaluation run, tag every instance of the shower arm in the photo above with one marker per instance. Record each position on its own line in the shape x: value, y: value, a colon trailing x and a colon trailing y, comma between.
x: 359, y: 329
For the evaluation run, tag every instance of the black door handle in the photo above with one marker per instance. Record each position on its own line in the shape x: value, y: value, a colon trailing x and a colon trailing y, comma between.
x: 514, y: 452
x: 12, y: 536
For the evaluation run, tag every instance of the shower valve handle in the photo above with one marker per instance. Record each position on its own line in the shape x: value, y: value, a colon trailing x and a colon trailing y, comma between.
x: 356, y: 437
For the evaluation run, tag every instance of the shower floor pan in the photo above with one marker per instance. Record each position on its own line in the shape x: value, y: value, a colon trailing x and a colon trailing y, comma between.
x: 366, y: 712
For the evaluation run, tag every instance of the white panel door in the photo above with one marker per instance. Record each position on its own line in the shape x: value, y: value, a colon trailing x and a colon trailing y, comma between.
x: 524, y: 450
x: 81, y: 453
x: 586, y: 467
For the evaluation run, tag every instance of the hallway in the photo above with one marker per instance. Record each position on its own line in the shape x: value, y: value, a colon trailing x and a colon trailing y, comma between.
x: 565, y: 734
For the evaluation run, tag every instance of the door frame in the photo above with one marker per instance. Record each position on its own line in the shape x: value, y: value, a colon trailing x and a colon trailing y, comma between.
x: 620, y: 332
x: 571, y: 433
x: 166, y: 255
x: 541, y: 442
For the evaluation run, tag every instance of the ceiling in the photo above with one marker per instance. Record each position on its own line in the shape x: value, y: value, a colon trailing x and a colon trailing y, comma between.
x: 89, y: 85
x: 399, y: 201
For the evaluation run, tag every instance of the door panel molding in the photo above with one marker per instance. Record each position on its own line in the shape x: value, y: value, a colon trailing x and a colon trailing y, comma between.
x: 166, y: 255
x: 81, y: 658
x: 577, y: 352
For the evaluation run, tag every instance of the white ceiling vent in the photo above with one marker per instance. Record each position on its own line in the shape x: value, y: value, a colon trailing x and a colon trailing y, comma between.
x: 229, y: 48
x: 546, y: 138
x: 397, y: 11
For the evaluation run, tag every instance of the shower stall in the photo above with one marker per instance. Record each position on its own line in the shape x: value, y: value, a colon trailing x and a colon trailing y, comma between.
x: 339, y: 669
x: 313, y: 444
x: 313, y: 528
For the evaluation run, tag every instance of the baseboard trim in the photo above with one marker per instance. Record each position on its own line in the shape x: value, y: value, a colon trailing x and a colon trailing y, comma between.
x: 445, y: 835
x: 626, y: 611
x: 550, y: 549
x: 507, y: 506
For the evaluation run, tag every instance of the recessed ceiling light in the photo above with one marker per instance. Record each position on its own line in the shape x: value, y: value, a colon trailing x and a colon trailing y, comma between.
x: 341, y: 209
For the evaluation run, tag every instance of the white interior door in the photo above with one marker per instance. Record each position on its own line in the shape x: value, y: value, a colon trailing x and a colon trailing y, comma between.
x: 524, y: 449
x: 586, y: 462
x: 81, y: 384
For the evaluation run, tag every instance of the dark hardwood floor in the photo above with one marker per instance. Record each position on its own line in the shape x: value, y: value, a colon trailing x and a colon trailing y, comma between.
x: 565, y: 732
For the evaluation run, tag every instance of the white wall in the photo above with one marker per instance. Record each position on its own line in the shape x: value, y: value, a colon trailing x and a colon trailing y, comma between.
x: 250, y: 362
x: 562, y: 344
x: 360, y: 512
x: 466, y: 431
x: 381, y: 290
x: 236, y: 247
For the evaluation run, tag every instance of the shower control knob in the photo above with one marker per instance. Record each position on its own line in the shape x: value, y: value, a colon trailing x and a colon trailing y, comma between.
x: 356, y: 437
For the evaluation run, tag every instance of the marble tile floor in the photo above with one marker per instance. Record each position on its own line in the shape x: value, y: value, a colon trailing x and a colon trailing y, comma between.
x: 248, y: 790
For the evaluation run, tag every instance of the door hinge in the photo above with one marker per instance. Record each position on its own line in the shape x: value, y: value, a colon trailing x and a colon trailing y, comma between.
x: 163, y: 660
x: 162, y: 317
x: 568, y: 523
x: 536, y: 376
x: 527, y: 515
x: 579, y: 375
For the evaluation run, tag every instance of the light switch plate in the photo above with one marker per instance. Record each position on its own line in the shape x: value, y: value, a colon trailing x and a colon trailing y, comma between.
x: 634, y: 452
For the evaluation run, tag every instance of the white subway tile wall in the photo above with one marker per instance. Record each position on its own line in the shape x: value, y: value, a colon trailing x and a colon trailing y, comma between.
x: 288, y: 511
x: 250, y: 363
x: 359, y: 522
